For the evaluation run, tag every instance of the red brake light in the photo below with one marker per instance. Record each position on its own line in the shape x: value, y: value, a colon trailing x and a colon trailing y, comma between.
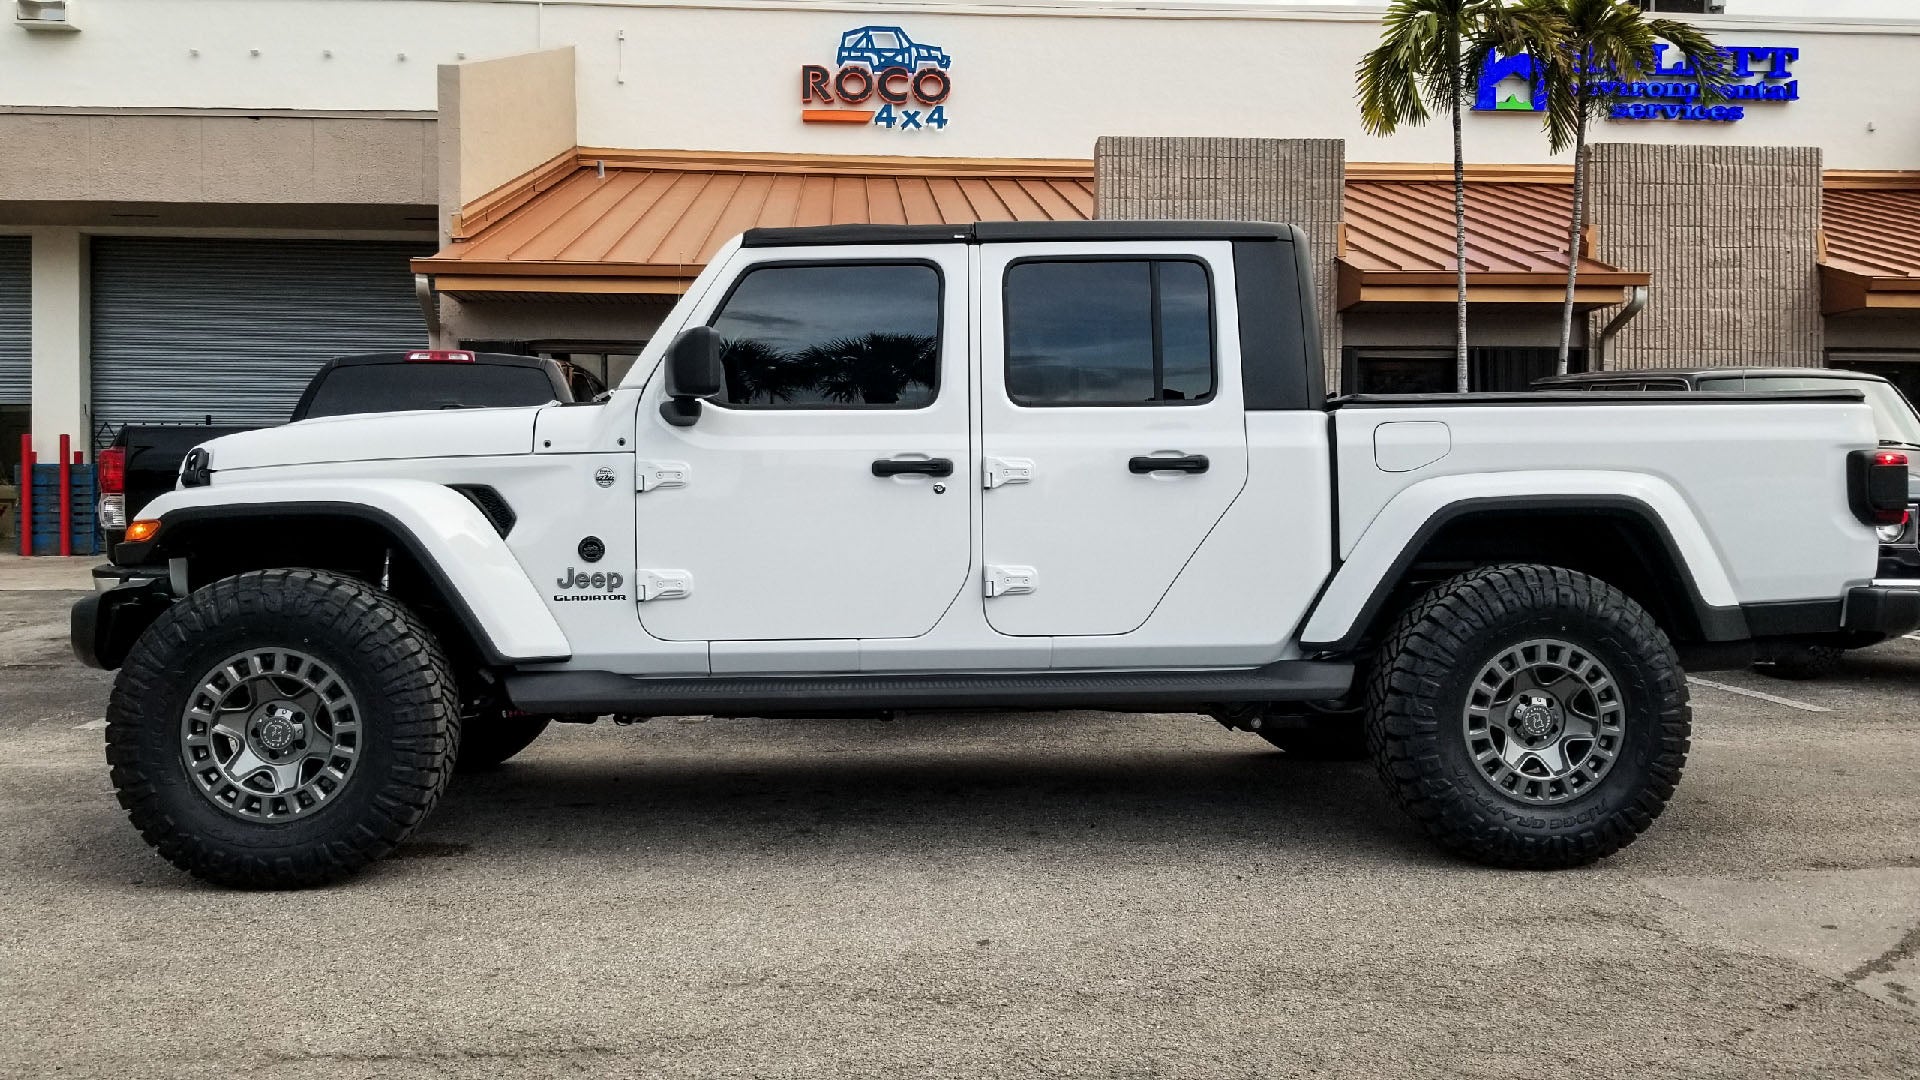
x: 1887, y: 457
x: 110, y: 467
x: 441, y: 356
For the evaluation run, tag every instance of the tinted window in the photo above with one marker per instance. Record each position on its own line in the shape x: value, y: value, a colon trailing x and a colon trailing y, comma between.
x: 368, y: 388
x: 832, y: 336
x: 1109, y: 332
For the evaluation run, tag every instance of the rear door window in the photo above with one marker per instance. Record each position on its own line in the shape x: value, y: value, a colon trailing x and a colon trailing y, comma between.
x: 1109, y: 332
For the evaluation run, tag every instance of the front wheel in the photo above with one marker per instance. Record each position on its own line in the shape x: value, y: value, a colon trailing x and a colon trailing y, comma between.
x: 281, y: 729
x: 1529, y: 717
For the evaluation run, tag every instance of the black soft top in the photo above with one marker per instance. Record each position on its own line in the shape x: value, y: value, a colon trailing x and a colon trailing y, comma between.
x: 1018, y: 232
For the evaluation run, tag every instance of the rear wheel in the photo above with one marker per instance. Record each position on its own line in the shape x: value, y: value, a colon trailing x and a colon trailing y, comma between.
x: 281, y: 729
x: 1529, y: 716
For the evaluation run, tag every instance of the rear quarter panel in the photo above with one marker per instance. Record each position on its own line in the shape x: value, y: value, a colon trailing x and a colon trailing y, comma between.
x: 1754, y: 494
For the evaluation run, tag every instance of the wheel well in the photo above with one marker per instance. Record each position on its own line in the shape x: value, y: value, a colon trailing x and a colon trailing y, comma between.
x: 1619, y: 546
x: 370, y: 550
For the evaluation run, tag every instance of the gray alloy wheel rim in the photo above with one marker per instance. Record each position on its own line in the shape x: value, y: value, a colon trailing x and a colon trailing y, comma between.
x: 270, y: 735
x: 1544, y: 721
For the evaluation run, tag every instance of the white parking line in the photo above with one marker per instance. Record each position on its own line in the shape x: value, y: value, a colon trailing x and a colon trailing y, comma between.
x: 1915, y: 637
x: 1744, y: 692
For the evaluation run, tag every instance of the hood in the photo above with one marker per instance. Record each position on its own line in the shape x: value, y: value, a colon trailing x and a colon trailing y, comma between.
x: 379, y: 436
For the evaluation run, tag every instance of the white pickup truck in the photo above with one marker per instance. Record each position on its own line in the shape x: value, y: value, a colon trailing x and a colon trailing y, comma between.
x: 1034, y: 466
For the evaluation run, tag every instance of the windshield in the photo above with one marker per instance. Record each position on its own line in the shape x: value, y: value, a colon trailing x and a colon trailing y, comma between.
x: 1893, y: 418
x: 375, y: 388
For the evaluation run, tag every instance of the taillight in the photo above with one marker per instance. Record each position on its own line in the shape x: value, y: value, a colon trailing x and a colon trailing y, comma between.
x: 440, y: 356
x: 110, y: 467
x: 1877, y: 486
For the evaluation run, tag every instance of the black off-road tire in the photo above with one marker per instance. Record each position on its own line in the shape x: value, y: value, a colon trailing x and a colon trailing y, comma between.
x: 487, y: 740
x: 409, y: 727
x: 1802, y: 663
x: 1419, y: 691
x: 1331, y: 738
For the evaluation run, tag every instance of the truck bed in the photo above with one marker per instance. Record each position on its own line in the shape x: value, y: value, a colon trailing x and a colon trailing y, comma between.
x: 1752, y: 483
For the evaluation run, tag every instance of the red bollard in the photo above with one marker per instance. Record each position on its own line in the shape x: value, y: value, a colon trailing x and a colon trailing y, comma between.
x: 66, y: 495
x: 26, y: 494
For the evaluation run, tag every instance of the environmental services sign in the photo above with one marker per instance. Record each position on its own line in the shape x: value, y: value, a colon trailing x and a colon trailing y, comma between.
x: 1671, y: 91
x: 880, y: 76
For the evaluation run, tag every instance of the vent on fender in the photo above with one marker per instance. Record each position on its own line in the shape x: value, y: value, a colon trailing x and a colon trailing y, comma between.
x: 490, y: 504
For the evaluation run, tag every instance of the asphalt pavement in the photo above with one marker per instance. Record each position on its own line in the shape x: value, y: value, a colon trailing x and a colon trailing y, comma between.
x: 1072, y: 894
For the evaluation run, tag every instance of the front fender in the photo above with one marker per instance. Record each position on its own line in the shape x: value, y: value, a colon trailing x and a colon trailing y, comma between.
x: 444, y: 533
x: 1403, y: 526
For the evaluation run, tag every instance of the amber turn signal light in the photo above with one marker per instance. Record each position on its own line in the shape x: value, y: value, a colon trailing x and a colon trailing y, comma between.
x: 142, y: 531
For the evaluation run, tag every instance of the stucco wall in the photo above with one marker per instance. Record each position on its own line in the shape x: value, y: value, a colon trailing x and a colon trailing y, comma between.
x: 501, y: 118
x: 338, y: 160
x: 1029, y: 80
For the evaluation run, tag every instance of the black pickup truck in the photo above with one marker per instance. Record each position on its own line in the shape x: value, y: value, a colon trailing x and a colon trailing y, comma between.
x: 144, y: 459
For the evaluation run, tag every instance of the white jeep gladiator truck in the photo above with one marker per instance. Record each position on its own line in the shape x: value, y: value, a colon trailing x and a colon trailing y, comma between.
x: 1033, y: 466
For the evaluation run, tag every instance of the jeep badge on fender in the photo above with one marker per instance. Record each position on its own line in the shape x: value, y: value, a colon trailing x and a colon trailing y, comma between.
x: 598, y: 580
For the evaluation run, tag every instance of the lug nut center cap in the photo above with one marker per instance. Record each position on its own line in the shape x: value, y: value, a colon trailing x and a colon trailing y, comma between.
x: 280, y: 728
x: 1535, y: 716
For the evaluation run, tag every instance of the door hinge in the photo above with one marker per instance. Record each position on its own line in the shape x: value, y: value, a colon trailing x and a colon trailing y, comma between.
x: 999, y: 472
x: 1011, y: 580
x: 662, y: 585
x: 654, y: 475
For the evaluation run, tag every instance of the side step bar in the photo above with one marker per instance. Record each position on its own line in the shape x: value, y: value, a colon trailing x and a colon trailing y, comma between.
x: 600, y: 692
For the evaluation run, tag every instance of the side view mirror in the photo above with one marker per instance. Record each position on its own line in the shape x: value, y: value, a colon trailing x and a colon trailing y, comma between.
x: 693, y: 373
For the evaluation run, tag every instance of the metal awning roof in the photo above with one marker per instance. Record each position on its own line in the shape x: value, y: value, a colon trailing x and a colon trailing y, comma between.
x: 1870, y: 244
x: 608, y: 225
x: 1397, y: 245
x: 603, y: 222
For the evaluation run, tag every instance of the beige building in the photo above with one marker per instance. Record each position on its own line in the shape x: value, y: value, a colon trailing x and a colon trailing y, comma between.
x: 202, y: 201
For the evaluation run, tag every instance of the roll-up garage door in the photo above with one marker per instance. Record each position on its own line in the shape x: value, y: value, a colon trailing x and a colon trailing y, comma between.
x: 192, y: 330
x: 16, y: 320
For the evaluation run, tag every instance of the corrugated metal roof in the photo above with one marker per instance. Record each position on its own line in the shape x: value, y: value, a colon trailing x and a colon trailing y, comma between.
x: 1873, y: 233
x: 1518, y: 229
x: 663, y: 216
x: 618, y: 223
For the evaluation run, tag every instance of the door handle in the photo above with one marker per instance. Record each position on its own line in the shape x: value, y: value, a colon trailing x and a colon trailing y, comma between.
x: 924, y: 466
x: 1189, y: 463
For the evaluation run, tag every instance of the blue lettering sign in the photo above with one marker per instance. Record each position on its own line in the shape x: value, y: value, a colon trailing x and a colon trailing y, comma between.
x: 1671, y: 88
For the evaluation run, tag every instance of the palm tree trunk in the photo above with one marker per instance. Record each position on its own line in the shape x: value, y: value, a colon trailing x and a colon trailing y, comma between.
x: 1573, y: 237
x: 1459, y: 250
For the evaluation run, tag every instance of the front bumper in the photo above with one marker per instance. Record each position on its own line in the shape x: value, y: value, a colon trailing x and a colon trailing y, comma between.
x: 103, y: 626
x: 1888, y: 606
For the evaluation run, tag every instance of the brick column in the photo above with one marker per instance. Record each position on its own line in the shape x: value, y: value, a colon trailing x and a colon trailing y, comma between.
x: 1296, y: 181
x: 1731, y: 237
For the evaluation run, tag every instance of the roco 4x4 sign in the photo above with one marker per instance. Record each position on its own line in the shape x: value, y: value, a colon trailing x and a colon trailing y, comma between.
x: 881, y: 77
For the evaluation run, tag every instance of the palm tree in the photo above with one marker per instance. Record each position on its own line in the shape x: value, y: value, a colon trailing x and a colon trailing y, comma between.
x: 1602, y: 47
x: 1429, y: 57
